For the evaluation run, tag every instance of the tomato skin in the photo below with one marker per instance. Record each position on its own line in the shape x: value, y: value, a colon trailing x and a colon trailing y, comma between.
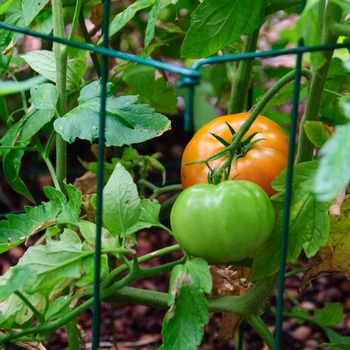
x: 261, y: 164
x: 222, y: 223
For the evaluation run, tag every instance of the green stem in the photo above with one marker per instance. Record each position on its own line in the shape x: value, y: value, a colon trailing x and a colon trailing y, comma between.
x: 313, y: 104
x: 61, y: 84
x: 75, y: 19
x: 242, y: 77
x: 123, y: 268
x: 47, y: 160
x: 51, y: 326
x: 88, y: 40
x: 73, y: 335
x: 260, y: 327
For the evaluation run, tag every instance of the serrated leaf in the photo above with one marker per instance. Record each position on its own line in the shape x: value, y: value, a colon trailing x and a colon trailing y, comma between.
x: 43, y: 62
x: 121, y: 203
x: 126, y: 122
x: 216, y: 24
x: 18, y: 227
x: 297, y: 311
x: 157, y: 93
x: 333, y: 173
x: 316, y: 132
x: 88, y: 230
x: 13, y: 16
x: 18, y: 278
x: 183, y: 324
x: 308, y: 224
x: 148, y: 217
x: 338, y: 341
x: 331, y: 315
x: 31, y: 8
x: 56, y: 265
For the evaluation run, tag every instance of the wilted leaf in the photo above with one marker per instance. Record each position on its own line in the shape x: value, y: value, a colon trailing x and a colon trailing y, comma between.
x: 183, y: 324
x: 335, y: 256
x: 230, y: 281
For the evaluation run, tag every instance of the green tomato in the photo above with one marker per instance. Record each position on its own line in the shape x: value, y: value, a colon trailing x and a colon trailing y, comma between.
x: 222, y: 223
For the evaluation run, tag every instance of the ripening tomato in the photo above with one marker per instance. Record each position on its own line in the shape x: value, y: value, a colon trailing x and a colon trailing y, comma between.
x: 222, y: 223
x: 262, y: 162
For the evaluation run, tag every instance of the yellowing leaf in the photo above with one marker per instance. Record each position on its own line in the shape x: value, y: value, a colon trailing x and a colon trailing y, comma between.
x: 335, y: 256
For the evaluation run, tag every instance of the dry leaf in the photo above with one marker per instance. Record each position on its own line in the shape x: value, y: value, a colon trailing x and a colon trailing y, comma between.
x: 230, y: 281
x: 335, y: 209
x: 335, y: 256
x: 87, y: 183
x: 89, y: 209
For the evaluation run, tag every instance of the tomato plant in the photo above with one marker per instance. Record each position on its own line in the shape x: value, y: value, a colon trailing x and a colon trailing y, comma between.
x: 259, y: 162
x: 222, y: 223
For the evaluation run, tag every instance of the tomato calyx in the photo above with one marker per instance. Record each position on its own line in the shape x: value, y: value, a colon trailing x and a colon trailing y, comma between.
x: 233, y: 150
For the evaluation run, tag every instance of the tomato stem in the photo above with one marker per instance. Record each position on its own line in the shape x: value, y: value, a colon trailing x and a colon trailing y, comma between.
x: 242, y: 77
x: 231, y: 151
x: 313, y: 104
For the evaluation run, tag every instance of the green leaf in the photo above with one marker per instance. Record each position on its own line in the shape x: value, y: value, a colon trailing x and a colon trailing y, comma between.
x: 308, y: 224
x: 152, y: 19
x: 56, y: 264
x: 297, y: 311
x: 126, y: 122
x: 121, y: 203
x: 108, y: 241
x: 59, y: 307
x: 12, y: 161
x: 316, y: 133
x: 31, y: 9
x: 333, y: 173
x: 331, y: 315
x: 309, y: 28
x: 159, y: 94
x: 43, y: 62
x: 125, y: 16
x: 183, y: 324
x: 337, y: 341
x: 5, y: 6
x: 13, y: 16
x: 18, y: 227
x: 216, y: 24
x: 149, y: 216
x: 17, y: 279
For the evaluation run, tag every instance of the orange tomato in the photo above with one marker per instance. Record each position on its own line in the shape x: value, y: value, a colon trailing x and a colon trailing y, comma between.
x: 263, y: 161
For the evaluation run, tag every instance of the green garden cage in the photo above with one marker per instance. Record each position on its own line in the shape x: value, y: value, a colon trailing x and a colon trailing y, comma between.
x: 81, y: 250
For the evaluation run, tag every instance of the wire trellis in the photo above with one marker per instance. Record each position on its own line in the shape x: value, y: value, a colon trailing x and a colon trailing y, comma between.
x: 190, y: 78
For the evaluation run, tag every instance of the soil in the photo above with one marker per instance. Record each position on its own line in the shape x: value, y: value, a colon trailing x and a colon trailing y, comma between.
x: 129, y: 327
